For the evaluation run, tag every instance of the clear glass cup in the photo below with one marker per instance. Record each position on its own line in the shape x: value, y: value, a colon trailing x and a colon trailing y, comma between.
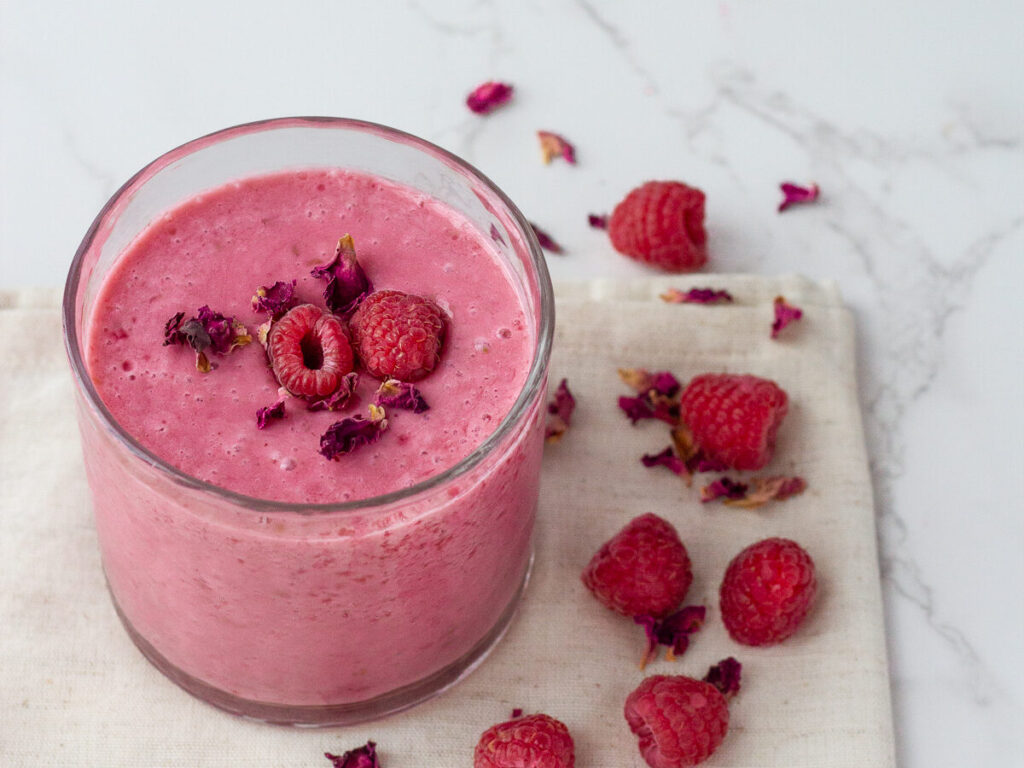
x: 433, y: 572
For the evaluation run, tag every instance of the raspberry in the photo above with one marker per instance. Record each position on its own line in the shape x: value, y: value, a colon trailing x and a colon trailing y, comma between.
x: 309, y: 352
x: 398, y: 335
x: 679, y: 721
x: 661, y: 223
x: 535, y: 741
x: 767, y: 591
x: 643, y: 570
x: 734, y: 418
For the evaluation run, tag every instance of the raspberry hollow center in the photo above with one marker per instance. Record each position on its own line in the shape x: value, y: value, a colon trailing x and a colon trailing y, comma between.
x: 312, y: 351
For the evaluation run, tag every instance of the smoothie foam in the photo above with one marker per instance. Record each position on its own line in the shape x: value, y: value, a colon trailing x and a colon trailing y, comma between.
x: 218, y: 249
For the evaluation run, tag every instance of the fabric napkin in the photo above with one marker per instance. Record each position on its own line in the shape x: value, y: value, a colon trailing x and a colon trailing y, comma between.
x: 75, y: 691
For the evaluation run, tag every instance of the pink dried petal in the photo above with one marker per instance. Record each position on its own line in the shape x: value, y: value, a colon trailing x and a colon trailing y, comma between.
x: 265, y: 414
x: 665, y: 384
x: 172, y: 329
x: 784, y: 315
x: 637, y: 379
x: 207, y: 330
x: 792, y: 194
x: 766, y: 489
x: 704, y: 464
x: 552, y: 145
x: 399, y: 394
x: 496, y: 235
x: 224, y: 331
x: 488, y: 97
x: 685, y: 445
x: 693, y: 457
x: 363, y: 757
x: 546, y: 241
x: 560, y: 411
x: 725, y: 676
x: 644, y: 407
x: 642, y: 381
x: 657, y: 396
x: 275, y: 299
x: 636, y: 408
x: 348, y: 434
x: 340, y: 397
x: 673, y: 631
x: 696, y: 296
x: 598, y: 221
x: 347, y: 283
x: 722, y: 487
x: 666, y: 458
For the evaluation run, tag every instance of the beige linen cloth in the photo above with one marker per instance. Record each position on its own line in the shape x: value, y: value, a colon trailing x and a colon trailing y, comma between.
x: 75, y: 692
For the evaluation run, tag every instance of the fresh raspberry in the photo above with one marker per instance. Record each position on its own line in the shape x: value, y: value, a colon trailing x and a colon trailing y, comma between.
x: 643, y: 570
x: 734, y: 418
x: 661, y: 223
x: 309, y: 352
x: 767, y: 591
x: 398, y: 335
x: 535, y: 741
x: 679, y: 721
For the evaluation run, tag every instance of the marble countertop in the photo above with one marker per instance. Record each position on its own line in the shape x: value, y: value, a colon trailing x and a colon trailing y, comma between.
x: 910, y: 123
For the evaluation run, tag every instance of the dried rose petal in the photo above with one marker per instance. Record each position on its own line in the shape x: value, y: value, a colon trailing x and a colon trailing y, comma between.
x: 488, y: 97
x: 794, y: 193
x: 657, y: 398
x: 517, y: 712
x: 172, y: 329
x: 636, y: 408
x: 703, y: 464
x: 723, y: 487
x: 696, y: 296
x: 552, y: 145
x: 348, y: 434
x: 665, y: 384
x: 263, y: 332
x: 639, y: 379
x: 546, y: 241
x: 693, y: 457
x: 598, y: 221
x: 276, y: 299
x: 685, y: 445
x: 496, y: 235
x: 673, y: 631
x: 399, y: 394
x: 190, y: 332
x: 767, y: 489
x: 219, y: 327
x: 265, y: 414
x: 560, y: 410
x: 347, y: 283
x: 208, y: 330
x: 784, y: 315
x: 363, y: 757
x: 725, y: 676
x: 666, y: 459
x: 644, y: 407
x: 340, y: 397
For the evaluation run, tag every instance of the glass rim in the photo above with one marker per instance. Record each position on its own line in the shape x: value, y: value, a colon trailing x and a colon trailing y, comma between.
x: 531, y: 387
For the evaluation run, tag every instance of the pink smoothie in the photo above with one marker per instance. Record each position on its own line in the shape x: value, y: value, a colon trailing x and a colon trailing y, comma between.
x: 330, y: 607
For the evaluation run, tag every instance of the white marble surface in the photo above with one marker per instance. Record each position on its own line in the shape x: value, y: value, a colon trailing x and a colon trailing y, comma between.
x: 909, y: 117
